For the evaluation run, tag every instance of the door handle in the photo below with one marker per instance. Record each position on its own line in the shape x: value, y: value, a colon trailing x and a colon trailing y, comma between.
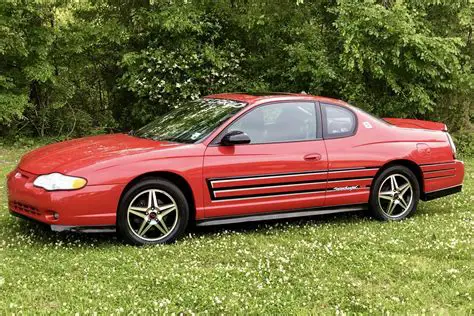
x: 312, y: 157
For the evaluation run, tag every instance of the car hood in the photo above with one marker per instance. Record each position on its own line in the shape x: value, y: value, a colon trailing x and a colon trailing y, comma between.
x: 75, y: 154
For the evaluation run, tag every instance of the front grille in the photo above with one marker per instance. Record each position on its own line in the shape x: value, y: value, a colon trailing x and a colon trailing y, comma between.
x: 24, y: 208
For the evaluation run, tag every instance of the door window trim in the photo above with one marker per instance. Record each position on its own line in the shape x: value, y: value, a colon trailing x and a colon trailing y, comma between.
x: 319, y: 126
x: 324, y: 121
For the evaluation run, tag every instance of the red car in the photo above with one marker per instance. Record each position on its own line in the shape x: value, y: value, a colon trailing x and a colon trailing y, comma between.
x: 231, y: 158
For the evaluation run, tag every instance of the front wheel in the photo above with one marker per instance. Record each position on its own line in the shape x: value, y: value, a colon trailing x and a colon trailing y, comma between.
x: 153, y: 211
x: 395, y: 194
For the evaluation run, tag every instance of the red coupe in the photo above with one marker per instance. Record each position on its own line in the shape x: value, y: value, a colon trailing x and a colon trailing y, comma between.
x: 231, y: 158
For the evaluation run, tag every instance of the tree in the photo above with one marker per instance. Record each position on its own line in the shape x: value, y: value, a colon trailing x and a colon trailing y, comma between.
x: 79, y: 67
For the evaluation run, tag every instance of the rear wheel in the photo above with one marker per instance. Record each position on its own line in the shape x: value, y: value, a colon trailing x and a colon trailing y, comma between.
x: 395, y: 194
x: 153, y: 211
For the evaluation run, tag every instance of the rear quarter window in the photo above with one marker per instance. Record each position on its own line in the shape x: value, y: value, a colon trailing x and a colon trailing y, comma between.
x: 338, y: 121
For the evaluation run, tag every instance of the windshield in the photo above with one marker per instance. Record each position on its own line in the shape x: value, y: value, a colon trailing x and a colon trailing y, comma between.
x: 191, y: 122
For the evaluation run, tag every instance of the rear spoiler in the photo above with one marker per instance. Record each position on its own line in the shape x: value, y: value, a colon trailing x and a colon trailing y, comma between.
x: 420, y: 124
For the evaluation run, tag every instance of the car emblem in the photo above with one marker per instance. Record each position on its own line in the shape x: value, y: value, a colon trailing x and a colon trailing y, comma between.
x: 18, y: 175
x: 347, y: 188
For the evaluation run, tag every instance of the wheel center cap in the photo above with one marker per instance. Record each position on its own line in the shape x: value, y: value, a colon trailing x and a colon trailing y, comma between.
x: 395, y: 195
x: 152, y: 215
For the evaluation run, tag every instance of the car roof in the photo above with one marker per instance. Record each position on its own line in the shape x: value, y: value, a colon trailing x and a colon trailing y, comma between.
x: 273, y: 96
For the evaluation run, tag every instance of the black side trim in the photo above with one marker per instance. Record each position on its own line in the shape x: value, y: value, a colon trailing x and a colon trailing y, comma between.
x: 433, y: 171
x: 328, y: 181
x: 265, y: 194
x: 268, y: 185
x: 290, y: 173
x: 281, y: 215
x: 439, y: 177
x: 354, y: 169
x: 289, y: 183
x: 428, y: 196
x: 437, y: 163
x: 267, y: 175
x: 328, y: 189
x: 349, y: 179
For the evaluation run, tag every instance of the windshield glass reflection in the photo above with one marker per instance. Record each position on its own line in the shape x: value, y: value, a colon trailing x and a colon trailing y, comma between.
x: 191, y: 122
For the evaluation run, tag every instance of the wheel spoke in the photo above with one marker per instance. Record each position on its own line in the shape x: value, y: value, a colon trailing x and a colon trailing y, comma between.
x: 393, y: 182
x: 168, y: 211
x: 140, y: 230
x: 143, y: 232
x: 165, y: 207
x: 391, y: 207
x: 132, y: 211
x: 138, y: 209
x: 386, y: 196
x: 403, y: 203
x: 155, y: 202
x: 150, y: 199
x: 161, y: 225
x: 404, y: 187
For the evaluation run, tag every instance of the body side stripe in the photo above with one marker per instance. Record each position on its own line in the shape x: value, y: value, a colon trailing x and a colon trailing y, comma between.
x: 277, y: 175
x: 332, y: 184
x: 437, y: 163
x: 438, y: 170
x: 289, y: 184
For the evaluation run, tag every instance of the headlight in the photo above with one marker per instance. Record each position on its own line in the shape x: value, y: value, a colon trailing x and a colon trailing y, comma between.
x: 57, y: 181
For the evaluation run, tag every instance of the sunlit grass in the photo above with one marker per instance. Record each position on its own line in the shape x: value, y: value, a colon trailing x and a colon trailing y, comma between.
x: 347, y: 263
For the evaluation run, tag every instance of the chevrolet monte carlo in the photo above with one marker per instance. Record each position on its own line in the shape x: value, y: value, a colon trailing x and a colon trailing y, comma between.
x: 232, y: 158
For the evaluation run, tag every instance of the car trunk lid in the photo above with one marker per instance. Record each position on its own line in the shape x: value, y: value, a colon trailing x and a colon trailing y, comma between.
x: 419, y: 124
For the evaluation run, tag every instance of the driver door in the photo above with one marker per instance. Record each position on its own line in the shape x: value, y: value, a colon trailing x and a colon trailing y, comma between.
x: 284, y: 167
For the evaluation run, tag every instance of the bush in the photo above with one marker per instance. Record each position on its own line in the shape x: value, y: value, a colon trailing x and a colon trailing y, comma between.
x: 464, y: 141
x: 115, y: 65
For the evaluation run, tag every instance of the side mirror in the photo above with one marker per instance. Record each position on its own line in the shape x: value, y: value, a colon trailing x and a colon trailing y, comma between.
x: 235, y: 138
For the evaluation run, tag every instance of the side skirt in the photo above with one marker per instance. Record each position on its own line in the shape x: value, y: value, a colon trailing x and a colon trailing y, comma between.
x: 428, y: 196
x: 282, y: 215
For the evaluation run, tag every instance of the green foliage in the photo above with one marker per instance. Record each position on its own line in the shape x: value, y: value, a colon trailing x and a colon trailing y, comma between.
x: 391, y: 53
x: 73, y: 68
x: 464, y: 140
x: 42, y: 79
x: 15, y: 58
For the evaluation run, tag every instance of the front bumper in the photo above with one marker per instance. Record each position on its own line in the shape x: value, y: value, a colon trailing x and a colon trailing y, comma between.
x: 65, y: 228
x: 90, y: 206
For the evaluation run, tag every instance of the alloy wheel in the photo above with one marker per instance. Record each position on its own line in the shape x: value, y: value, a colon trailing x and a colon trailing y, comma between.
x: 395, y: 195
x: 152, y: 215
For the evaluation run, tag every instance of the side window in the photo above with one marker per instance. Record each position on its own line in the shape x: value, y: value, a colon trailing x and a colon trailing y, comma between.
x: 279, y: 122
x: 338, y: 121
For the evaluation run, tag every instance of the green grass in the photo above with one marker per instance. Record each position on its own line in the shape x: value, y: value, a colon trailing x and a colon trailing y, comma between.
x: 347, y: 263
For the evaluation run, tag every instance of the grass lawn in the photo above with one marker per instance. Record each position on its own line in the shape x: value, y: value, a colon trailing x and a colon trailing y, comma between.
x: 347, y: 263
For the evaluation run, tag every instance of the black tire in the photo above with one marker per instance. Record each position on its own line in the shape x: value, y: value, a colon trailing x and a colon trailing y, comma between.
x: 381, y: 197
x: 166, y: 192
